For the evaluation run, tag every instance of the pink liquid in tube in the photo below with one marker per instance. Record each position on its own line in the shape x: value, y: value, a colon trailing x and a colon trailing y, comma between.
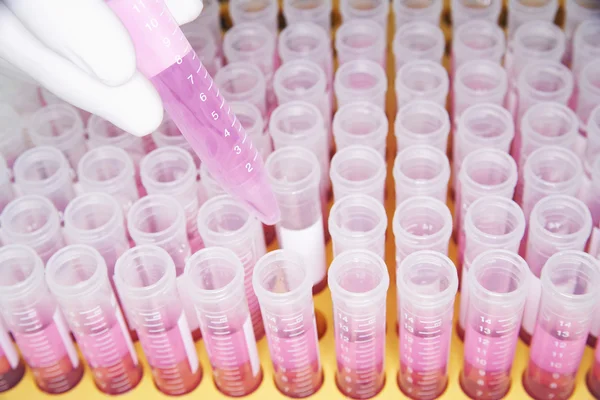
x: 196, y: 105
x: 11, y: 366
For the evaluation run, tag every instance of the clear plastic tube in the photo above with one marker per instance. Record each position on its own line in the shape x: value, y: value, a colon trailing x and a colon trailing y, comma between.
x: 168, y: 134
x: 592, y: 148
x: 210, y: 18
x: 594, y: 197
x: 48, y: 98
x: 243, y: 81
x: 7, y: 193
x: 215, y: 282
x: 418, y: 40
x: 578, y: 12
x: 18, y: 93
x: 361, y: 123
x: 569, y: 287
x: 12, y: 136
x: 33, y: 221
x: 317, y: 12
x: 586, y: 45
x: 77, y: 277
x: 523, y: 11
x: 110, y: 170
x: 491, y: 223
x: 358, y: 221
x: 145, y: 278
x: 360, y: 80
x: 464, y: 11
x: 32, y: 315
x: 358, y: 169
x: 294, y: 175
x: 206, y: 48
x: 359, y: 280
x: 251, y: 119
x: 421, y: 223
x: 103, y: 133
x: 406, y: 11
x: 210, y: 185
x: 223, y: 222
x: 588, y: 90
x: 426, y: 283
x: 282, y: 282
x: 421, y: 170
x: 421, y: 80
x: 59, y: 126
x: 373, y: 10
x: 498, y: 283
x: 263, y: 12
x: 45, y: 171
x: 422, y: 122
x: 361, y: 39
x: 13, y: 368
x: 478, y: 40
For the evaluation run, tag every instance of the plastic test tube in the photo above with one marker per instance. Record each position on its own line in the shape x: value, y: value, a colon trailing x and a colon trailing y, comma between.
x: 426, y: 285
x: 45, y: 171
x: 7, y: 193
x: 588, y: 90
x: 317, y: 12
x: 78, y: 278
x: 171, y: 171
x: 206, y: 47
x: 557, y: 223
x: 49, y: 98
x: 12, y: 137
x: 361, y: 123
x: 373, y: 10
x: 32, y: 220
x: 478, y: 40
x: 578, y: 12
x: 12, y: 368
x: 418, y: 40
x: 358, y: 169
x: 359, y: 80
x: 210, y: 186
x: 224, y: 222
x: 491, y: 222
x: 254, y: 124
x: 263, y: 12
x: 361, y: 39
x: 282, y: 282
x: 569, y: 286
x: 59, y: 126
x: 145, y: 278
x: 592, y: 148
x: 359, y: 280
x: 294, y: 176
x: 358, y: 221
x: 523, y: 11
x: 498, y: 284
x: 464, y: 11
x: 32, y: 315
x: 421, y: 223
x: 421, y: 170
x: 243, y: 81
x: 593, y: 376
x: 215, y: 282
x: 209, y: 18
x: 422, y: 122
x: 586, y: 46
x: 168, y: 134
x: 103, y: 133
x: 421, y: 80
x: 110, y: 170
x: 406, y: 11
x: 594, y: 195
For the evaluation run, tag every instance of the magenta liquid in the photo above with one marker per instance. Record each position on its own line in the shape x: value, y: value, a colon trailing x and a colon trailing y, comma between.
x: 593, y: 378
x: 11, y: 367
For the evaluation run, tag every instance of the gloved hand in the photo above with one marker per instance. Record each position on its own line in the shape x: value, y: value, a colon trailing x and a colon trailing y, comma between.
x: 80, y: 51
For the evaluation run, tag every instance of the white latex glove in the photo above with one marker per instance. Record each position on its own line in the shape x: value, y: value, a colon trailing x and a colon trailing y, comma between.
x: 80, y: 51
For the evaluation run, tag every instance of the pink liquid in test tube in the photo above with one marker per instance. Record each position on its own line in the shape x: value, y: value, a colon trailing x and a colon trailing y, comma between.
x: 195, y: 104
x: 12, y: 368
x: 215, y: 281
x: 569, y: 284
x: 282, y: 284
x: 32, y: 315
x: 427, y: 283
x: 497, y: 283
x: 359, y: 280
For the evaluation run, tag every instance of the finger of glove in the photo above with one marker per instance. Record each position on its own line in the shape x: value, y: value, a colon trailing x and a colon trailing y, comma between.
x: 184, y: 11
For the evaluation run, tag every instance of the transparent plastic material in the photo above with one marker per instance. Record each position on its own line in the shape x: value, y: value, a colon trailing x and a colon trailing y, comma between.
x: 358, y: 169
x: 523, y: 11
x: 104, y: 133
x: 282, y: 282
x: 12, y: 368
x: 254, y: 124
x: 168, y: 134
x: 37, y: 325
x: 110, y: 170
x: 491, y: 223
x: 210, y: 186
x: 18, y: 91
x: 464, y: 11
x: 422, y: 122
x: 592, y: 149
x: 361, y: 39
x: 215, y: 282
x: 48, y: 98
x: 45, y: 171
x: 171, y: 171
x: 361, y: 123
x: 12, y: 136
x: 77, y: 277
x: 588, y: 90
x: 406, y: 11
x: 421, y: 170
x: 421, y: 80
x: 294, y: 175
x: 360, y: 80
x: 263, y: 12
x: 205, y: 46
x: 359, y: 280
x: 209, y: 18
x: 419, y: 40
x: 498, y: 285
x: 594, y: 196
x: 32, y: 221
x: 421, y: 223
x: 358, y: 221
x: 145, y: 278
x: 243, y: 81
x: 223, y: 222
x: 426, y: 285
x: 373, y: 10
x: 586, y: 45
x: 59, y: 126
x: 578, y: 12
x: 7, y: 193
x: 569, y: 287
x: 317, y: 12
x: 478, y: 40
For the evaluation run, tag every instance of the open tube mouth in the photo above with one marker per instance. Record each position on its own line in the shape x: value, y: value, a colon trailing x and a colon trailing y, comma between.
x: 422, y: 119
x: 169, y: 168
x: 356, y: 217
x: 419, y: 39
x: 303, y: 40
x: 224, y: 219
x: 357, y: 167
x: 239, y: 81
x: 105, y: 133
x: 21, y: 272
x: 422, y: 165
x: 359, y: 36
x: 408, y: 223
x: 423, y: 78
x: 30, y: 219
x: 553, y: 168
x: 76, y: 270
x: 252, y: 10
x: 488, y: 170
x: 307, y: 8
x: 295, y: 122
x: 572, y: 276
x: 486, y: 124
x: 299, y: 79
x: 539, y: 40
x: 57, y: 125
x: 357, y: 9
x: 495, y: 219
x: 105, y: 166
x: 547, y: 123
x: 155, y: 218
x: 362, y: 121
x: 248, y: 39
x: 360, y: 78
x: 292, y: 169
x: 417, y: 8
x: 561, y: 218
x: 532, y: 7
x: 480, y: 39
x: 546, y: 81
x: 93, y: 216
x: 42, y: 166
x: 480, y: 79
